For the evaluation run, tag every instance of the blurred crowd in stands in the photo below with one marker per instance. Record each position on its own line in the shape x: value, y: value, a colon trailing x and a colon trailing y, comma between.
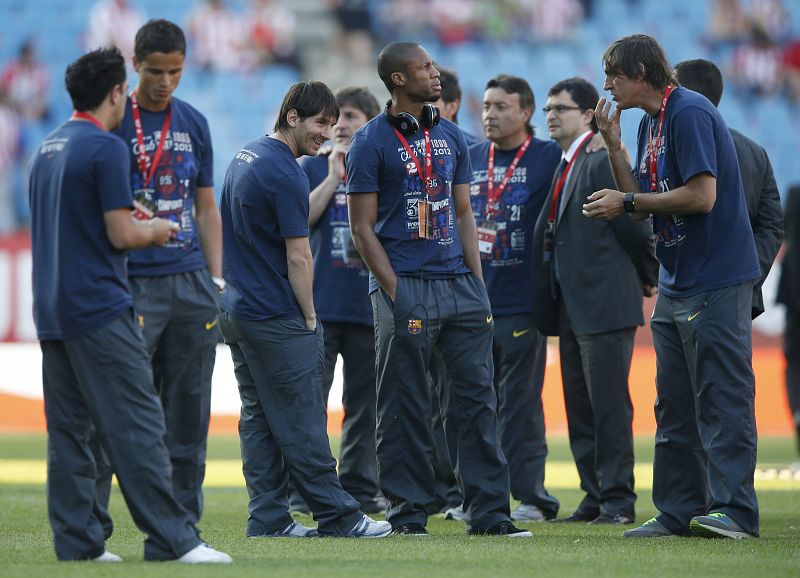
x: 750, y: 39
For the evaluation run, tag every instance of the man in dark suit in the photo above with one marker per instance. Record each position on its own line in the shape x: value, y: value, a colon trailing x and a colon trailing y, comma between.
x: 789, y: 295
x: 761, y: 191
x: 590, y: 277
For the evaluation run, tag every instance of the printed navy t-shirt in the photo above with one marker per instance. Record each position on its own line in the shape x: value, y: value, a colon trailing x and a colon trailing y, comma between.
x: 377, y: 162
x: 341, y: 278
x: 697, y: 252
x: 507, y: 269
x: 78, y: 173
x: 186, y: 163
x: 264, y: 200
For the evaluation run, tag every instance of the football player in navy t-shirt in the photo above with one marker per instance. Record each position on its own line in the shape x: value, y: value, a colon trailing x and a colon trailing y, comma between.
x: 342, y: 303
x: 408, y: 193
x: 176, y: 301
x: 96, y: 370
x: 269, y: 321
x: 686, y: 175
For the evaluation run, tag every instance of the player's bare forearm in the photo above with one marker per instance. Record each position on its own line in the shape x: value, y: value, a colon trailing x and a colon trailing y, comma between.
x: 126, y: 233
x: 320, y: 197
x: 467, y: 229
x: 300, y: 265
x: 209, y: 225
x: 363, y: 209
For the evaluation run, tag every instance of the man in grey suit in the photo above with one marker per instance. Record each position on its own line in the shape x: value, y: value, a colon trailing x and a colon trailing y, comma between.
x: 589, y: 278
x: 760, y: 190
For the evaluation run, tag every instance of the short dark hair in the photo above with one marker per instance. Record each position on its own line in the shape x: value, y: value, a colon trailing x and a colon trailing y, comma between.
x: 159, y: 35
x: 516, y: 85
x: 308, y: 98
x: 394, y: 58
x: 581, y: 91
x: 701, y: 76
x: 90, y: 78
x: 451, y: 89
x: 639, y: 55
x: 359, y: 98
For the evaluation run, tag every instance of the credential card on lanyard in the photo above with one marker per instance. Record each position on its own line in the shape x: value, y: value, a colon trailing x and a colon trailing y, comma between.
x: 487, y: 235
x: 425, y: 219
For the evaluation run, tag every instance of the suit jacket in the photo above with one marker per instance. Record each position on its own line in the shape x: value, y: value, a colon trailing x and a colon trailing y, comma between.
x: 763, y: 207
x: 789, y: 284
x: 602, y: 265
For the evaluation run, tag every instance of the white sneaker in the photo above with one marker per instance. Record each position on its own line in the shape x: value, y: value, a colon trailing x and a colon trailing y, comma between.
x: 456, y: 513
x: 107, y: 557
x: 527, y: 513
x: 204, y: 554
x: 366, y: 527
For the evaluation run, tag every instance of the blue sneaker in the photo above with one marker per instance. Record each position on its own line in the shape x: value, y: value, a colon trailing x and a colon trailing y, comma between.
x: 717, y: 525
x: 652, y: 528
x: 293, y: 530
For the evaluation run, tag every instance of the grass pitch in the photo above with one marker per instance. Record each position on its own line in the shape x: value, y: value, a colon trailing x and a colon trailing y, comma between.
x: 556, y: 550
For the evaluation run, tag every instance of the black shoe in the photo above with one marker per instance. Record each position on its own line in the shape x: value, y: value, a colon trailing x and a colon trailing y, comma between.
x: 613, y: 519
x: 501, y: 529
x: 410, y: 530
x: 575, y: 517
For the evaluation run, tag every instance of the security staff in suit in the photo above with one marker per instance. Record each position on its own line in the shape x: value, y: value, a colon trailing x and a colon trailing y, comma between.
x: 761, y: 191
x: 589, y: 279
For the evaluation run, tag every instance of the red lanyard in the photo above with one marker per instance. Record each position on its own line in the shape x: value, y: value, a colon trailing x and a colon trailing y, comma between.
x: 493, y: 196
x: 89, y: 117
x: 137, y: 125
x: 551, y: 218
x: 423, y: 175
x: 653, y: 149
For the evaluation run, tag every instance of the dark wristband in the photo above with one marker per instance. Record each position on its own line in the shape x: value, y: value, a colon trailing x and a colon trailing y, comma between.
x: 628, y: 203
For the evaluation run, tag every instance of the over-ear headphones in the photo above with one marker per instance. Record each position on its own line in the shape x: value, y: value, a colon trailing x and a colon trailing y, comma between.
x: 407, y: 124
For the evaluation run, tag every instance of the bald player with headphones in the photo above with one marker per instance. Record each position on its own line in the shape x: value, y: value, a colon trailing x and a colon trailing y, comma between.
x: 408, y: 175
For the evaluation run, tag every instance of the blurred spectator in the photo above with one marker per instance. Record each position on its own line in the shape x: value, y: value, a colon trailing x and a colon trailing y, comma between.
x: 790, y: 70
x: 405, y: 19
x: 272, y: 33
x: 355, y: 20
x: 456, y: 21
x: 772, y: 16
x: 553, y: 21
x: 757, y: 64
x: 10, y: 137
x: 114, y: 23
x: 26, y: 82
x: 727, y: 25
x: 219, y: 37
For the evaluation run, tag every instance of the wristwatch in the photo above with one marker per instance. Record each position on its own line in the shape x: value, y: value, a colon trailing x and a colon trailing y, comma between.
x: 219, y: 282
x: 628, y: 203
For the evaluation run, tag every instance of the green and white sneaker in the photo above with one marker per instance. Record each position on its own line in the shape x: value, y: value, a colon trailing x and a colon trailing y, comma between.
x: 652, y: 528
x: 717, y: 525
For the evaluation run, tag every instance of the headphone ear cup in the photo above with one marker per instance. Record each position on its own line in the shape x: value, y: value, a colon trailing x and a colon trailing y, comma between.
x: 406, y: 123
x: 430, y: 115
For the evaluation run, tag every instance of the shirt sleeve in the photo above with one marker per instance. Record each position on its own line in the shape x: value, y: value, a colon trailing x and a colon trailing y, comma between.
x: 362, y: 162
x: 695, y: 150
x: 113, y: 167
x: 291, y: 206
x: 205, y: 155
x: 311, y: 166
x: 463, y: 170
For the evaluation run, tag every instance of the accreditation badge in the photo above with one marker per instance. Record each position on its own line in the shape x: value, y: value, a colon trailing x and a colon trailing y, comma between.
x: 487, y: 235
x: 425, y: 216
x: 143, y: 206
